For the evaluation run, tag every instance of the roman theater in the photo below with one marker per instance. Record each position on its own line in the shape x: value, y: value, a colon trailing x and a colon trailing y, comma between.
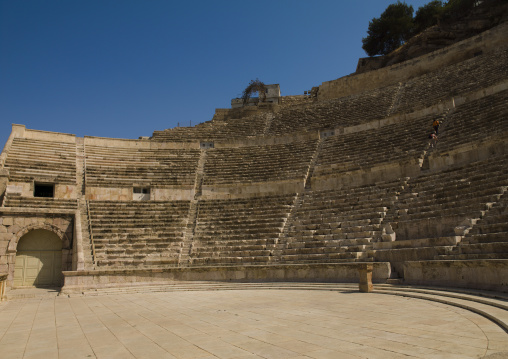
x: 250, y: 233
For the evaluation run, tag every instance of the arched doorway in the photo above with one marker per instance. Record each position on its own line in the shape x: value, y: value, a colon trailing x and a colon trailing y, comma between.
x: 38, y: 260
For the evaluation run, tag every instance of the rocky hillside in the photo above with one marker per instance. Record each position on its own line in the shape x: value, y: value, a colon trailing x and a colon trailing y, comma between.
x: 439, y: 36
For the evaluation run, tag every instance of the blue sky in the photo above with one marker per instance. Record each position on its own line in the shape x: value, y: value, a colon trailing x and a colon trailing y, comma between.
x: 124, y: 68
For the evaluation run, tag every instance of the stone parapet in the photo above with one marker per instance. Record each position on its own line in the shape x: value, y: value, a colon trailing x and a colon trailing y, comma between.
x: 77, y: 281
x: 478, y: 274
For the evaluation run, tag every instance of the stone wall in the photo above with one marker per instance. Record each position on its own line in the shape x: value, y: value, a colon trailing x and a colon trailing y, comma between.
x: 331, y: 273
x: 125, y: 193
x: 480, y: 274
x: 242, y: 190
x: 141, y: 144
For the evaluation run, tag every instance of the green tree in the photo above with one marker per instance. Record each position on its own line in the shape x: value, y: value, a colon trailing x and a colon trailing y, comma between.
x: 427, y: 15
x: 389, y: 31
x: 457, y: 8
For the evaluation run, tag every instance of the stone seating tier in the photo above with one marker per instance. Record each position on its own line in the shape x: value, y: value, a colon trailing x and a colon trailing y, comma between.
x: 432, y: 205
x: 337, y: 225
x: 392, y: 143
x: 418, y: 93
x: 40, y: 203
x: 107, y: 166
x: 346, y: 111
x: 475, y: 121
x: 216, y: 130
x: 30, y: 160
x: 239, y: 231
x: 461, y: 78
x: 488, y: 238
x: 258, y: 163
x: 140, y: 234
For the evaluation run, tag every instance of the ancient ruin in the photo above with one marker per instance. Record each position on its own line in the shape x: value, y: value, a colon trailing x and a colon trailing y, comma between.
x: 297, y: 188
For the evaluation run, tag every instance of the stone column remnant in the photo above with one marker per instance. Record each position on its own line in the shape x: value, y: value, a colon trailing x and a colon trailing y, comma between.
x: 365, y: 272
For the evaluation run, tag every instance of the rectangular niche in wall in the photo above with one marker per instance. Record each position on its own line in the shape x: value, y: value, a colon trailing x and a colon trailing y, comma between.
x: 141, y: 193
x: 206, y: 145
x: 327, y: 133
x: 44, y: 190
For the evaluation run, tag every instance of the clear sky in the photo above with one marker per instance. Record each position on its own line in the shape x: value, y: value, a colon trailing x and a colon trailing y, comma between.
x: 124, y: 68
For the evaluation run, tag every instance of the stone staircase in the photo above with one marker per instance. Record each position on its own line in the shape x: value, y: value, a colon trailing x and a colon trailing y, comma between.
x: 434, y: 204
x: 431, y: 145
x: 475, y: 122
x: 435, y: 211
x: 312, y: 164
x: 487, y: 238
x: 269, y: 119
x: 190, y: 227
x: 396, y: 100
x: 86, y: 229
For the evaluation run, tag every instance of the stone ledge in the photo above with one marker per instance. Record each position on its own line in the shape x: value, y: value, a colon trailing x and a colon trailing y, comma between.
x: 475, y: 274
x: 77, y: 281
x: 25, y: 210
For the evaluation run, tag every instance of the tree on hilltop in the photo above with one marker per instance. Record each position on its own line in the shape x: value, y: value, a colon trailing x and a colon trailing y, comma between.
x: 396, y: 24
x: 427, y: 15
x: 390, y: 30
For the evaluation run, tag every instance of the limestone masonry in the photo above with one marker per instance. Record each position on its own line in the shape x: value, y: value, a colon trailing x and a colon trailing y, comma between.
x: 296, y: 188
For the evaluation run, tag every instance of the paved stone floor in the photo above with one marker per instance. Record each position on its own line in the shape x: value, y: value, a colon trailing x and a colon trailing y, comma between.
x: 244, y: 324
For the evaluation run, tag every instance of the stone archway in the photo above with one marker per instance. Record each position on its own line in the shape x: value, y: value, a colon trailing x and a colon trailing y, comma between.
x: 38, y: 259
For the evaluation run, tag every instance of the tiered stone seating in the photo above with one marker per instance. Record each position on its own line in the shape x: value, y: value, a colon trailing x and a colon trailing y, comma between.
x: 434, y: 204
x: 40, y: 203
x: 138, y: 234
x: 239, y: 231
x: 488, y: 239
x: 360, y: 150
x: 51, y: 161
x: 467, y: 76
x: 345, y: 111
x: 434, y: 209
x: 475, y: 121
x: 338, y: 225
x: 259, y: 163
x: 215, y: 130
x: 114, y: 166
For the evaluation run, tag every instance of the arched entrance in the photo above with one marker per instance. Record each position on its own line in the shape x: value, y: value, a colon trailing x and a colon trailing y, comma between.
x: 38, y: 259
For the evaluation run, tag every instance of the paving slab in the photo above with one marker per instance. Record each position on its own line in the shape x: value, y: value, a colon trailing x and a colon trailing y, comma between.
x: 234, y: 324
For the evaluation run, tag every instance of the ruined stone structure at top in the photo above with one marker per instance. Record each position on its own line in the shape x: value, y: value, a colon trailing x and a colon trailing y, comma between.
x: 295, y: 188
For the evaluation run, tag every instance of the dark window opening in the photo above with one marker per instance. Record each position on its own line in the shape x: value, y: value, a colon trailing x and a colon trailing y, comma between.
x: 143, y: 190
x: 206, y: 145
x: 44, y: 190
